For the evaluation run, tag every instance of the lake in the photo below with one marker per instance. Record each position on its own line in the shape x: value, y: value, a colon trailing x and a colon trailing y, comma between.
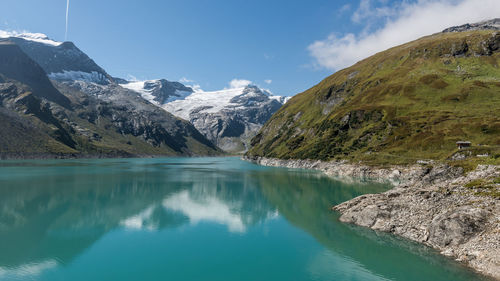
x: 193, y: 219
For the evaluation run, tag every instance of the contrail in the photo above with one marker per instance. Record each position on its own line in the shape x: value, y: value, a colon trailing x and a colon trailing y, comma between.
x: 67, y: 13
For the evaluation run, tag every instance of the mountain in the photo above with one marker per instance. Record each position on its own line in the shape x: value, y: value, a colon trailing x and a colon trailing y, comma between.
x: 229, y: 117
x: 413, y: 101
x: 234, y: 118
x: 74, y: 116
x: 60, y: 60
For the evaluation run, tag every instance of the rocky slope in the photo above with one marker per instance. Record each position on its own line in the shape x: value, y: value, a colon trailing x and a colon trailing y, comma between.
x: 76, y: 117
x: 440, y: 206
x: 413, y: 101
x: 493, y: 24
x: 229, y: 118
x: 454, y: 214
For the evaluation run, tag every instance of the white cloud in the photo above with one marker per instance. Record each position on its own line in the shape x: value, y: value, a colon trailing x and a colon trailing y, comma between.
x: 185, y: 80
x: 367, y: 11
x: 268, y: 81
x: 196, y: 88
x: 404, y: 22
x: 132, y: 78
x: 345, y: 8
x: 239, y: 83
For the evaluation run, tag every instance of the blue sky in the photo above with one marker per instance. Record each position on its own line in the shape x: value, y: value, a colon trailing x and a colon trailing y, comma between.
x: 295, y: 44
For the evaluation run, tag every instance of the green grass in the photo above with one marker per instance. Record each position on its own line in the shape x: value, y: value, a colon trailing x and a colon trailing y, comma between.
x: 485, y: 187
x: 410, y: 102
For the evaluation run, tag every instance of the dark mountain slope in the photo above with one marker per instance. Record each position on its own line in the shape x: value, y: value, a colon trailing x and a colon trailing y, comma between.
x: 16, y: 65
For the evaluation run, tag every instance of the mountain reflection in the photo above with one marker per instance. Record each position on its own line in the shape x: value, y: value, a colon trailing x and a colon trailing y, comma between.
x: 52, y: 212
x: 56, y: 214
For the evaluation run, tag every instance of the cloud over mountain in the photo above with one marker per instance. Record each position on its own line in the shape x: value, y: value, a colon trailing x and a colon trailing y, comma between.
x: 401, y: 23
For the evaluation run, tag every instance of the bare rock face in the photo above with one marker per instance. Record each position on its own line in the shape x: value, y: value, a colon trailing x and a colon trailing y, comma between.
x: 439, y: 211
x: 455, y: 227
x: 489, y: 24
x: 235, y: 125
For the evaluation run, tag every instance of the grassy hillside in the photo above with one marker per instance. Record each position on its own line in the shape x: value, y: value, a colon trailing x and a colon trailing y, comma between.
x: 410, y: 102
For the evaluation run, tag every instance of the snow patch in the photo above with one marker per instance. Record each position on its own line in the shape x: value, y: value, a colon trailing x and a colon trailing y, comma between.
x: 208, y: 102
x: 212, y: 102
x: 147, y: 94
x: 138, y: 86
x: 35, y: 37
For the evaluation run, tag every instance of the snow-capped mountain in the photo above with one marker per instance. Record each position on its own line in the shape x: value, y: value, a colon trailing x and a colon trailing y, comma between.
x: 229, y: 117
x: 62, y: 61
x: 81, y: 109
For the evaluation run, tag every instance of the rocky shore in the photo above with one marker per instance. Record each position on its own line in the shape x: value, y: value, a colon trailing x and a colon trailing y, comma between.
x: 440, y: 206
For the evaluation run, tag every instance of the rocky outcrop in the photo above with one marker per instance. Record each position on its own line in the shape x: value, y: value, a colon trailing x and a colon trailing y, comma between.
x: 443, y: 213
x: 493, y: 24
x: 436, y: 205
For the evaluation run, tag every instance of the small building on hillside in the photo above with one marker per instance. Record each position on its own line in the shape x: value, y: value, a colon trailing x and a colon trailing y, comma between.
x: 463, y: 144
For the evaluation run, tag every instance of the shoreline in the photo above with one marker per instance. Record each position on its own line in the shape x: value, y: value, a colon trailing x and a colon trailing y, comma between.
x: 429, y: 205
x: 48, y: 156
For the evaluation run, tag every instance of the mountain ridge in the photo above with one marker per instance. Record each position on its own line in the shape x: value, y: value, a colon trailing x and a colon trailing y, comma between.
x: 228, y: 117
x: 81, y: 117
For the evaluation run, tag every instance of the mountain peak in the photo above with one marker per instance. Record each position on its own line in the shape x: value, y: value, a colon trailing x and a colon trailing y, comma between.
x: 35, y: 37
x: 62, y: 61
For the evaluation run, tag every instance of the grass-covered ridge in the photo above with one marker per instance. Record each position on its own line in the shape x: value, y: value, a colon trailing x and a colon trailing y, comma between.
x: 410, y: 102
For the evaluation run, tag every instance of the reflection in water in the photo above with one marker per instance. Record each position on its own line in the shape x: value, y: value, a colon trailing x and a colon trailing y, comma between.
x: 26, y: 270
x: 54, y: 214
x: 141, y: 221
x: 209, y: 209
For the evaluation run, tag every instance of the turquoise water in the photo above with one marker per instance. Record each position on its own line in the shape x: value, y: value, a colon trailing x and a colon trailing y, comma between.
x: 193, y: 219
